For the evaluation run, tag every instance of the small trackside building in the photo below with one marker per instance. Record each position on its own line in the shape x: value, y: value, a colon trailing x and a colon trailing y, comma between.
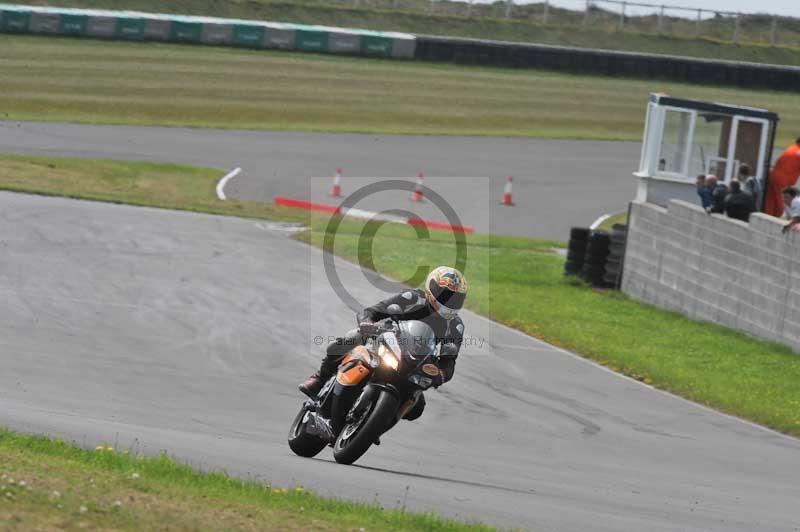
x: 742, y: 275
x: 684, y: 138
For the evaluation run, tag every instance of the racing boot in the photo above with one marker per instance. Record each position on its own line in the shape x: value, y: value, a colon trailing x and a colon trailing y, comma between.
x: 312, y: 385
x: 330, y: 363
x: 317, y: 380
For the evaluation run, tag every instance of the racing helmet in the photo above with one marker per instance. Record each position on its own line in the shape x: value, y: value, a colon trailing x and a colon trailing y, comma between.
x: 445, y: 289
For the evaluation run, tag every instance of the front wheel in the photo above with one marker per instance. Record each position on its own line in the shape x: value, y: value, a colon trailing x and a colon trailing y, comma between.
x: 300, y: 441
x: 360, y: 433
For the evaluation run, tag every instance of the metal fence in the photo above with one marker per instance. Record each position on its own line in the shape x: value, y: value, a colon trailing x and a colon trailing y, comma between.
x: 613, y: 15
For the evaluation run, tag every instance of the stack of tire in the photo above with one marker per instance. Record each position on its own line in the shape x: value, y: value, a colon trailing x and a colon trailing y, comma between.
x: 616, y: 252
x: 576, y: 251
x: 594, y: 266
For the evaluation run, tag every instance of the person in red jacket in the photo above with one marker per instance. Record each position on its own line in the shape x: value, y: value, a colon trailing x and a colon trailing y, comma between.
x: 783, y: 174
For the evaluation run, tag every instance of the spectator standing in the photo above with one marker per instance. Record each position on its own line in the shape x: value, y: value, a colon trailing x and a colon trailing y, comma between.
x: 718, y: 191
x: 791, y: 202
x: 739, y: 204
x: 750, y: 185
x: 704, y: 193
x: 784, y: 174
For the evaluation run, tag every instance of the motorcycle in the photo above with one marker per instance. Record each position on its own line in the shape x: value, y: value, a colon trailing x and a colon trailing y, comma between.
x: 375, y: 386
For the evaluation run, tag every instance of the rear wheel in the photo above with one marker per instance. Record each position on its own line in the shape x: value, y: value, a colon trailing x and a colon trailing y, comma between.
x: 300, y: 441
x: 361, y: 432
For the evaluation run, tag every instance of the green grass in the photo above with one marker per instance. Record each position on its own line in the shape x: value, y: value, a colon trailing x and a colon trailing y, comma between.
x: 172, y: 85
x: 169, y: 186
x: 514, y: 280
x: 48, y: 484
x: 679, y: 36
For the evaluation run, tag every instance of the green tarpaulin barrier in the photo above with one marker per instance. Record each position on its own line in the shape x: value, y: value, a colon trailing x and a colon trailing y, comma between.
x: 130, y: 28
x: 311, y: 40
x: 246, y: 35
x: 15, y: 21
x: 72, y: 24
x: 186, y: 31
x: 376, y: 45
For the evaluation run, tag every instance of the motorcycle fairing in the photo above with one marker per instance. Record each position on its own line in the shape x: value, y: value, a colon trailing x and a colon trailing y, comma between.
x: 354, y: 367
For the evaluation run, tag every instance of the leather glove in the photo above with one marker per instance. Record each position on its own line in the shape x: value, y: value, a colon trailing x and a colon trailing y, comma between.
x: 438, y: 380
x: 367, y: 328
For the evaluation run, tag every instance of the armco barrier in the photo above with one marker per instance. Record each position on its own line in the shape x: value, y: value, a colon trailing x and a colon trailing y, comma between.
x: 185, y: 31
x: 280, y: 37
x: 310, y: 40
x: 13, y: 21
x: 248, y: 35
x: 132, y: 25
x: 130, y: 28
x: 220, y: 34
x: 156, y: 29
x: 376, y: 45
x: 344, y: 43
x: 105, y: 27
x: 72, y: 24
x: 45, y: 23
x: 607, y: 62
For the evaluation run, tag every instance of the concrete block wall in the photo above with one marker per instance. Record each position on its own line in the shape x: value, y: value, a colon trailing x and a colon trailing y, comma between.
x: 745, y: 276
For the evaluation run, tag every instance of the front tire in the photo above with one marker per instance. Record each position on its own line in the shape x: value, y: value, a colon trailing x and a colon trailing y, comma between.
x: 357, y: 436
x: 301, y: 442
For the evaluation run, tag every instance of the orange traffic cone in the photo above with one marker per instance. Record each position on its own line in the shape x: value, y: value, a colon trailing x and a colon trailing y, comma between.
x: 336, y: 189
x: 417, y: 194
x: 506, y: 199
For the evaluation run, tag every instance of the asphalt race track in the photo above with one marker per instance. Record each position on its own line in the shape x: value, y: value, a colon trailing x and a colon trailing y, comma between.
x: 558, y: 183
x: 151, y: 329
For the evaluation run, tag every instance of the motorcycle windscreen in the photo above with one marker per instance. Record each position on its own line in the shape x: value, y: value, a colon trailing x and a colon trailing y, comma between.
x: 417, y: 339
x: 391, y: 341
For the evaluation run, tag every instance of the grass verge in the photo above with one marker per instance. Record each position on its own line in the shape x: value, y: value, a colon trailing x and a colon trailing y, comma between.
x: 678, y: 36
x: 165, y: 185
x: 48, y: 484
x: 516, y: 281
x: 101, y: 82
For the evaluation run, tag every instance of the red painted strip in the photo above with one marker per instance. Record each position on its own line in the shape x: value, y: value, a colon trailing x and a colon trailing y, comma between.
x: 441, y: 226
x: 321, y: 207
x: 307, y: 205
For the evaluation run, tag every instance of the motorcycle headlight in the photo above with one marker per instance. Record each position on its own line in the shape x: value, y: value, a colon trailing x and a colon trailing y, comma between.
x: 388, y: 358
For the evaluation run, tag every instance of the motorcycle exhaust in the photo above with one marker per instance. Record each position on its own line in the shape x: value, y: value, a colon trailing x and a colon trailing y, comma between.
x: 320, y: 428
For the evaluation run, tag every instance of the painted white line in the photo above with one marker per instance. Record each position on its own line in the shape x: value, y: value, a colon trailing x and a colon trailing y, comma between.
x: 280, y: 226
x: 369, y: 215
x: 600, y: 220
x: 222, y: 182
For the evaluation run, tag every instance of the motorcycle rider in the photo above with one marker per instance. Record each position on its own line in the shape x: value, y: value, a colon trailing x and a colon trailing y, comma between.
x: 437, y: 303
